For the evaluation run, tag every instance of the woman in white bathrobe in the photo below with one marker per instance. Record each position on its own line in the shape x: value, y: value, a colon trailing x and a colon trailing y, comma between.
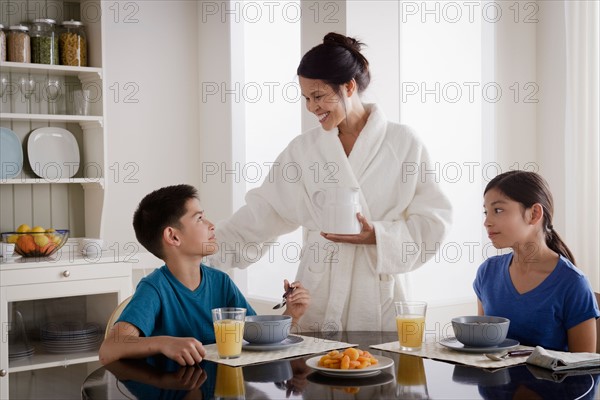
x: 353, y: 279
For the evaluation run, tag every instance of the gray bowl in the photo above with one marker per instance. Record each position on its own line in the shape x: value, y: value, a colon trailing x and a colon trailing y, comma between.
x: 267, y: 329
x: 480, y: 331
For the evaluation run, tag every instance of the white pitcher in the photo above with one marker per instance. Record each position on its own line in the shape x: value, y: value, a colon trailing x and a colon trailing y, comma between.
x: 338, y: 207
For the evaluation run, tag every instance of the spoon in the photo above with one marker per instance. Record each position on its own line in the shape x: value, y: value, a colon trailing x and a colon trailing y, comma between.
x: 285, y: 295
x: 514, y: 353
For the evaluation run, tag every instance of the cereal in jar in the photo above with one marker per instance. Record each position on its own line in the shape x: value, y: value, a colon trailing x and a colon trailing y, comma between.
x: 18, y: 44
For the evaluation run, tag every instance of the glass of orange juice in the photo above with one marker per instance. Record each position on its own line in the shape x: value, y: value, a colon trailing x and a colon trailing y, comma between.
x: 229, y: 330
x: 410, y: 321
x: 229, y: 383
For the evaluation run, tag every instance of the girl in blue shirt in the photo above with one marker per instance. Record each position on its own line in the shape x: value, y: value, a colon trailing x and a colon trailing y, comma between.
x: 549, y: 302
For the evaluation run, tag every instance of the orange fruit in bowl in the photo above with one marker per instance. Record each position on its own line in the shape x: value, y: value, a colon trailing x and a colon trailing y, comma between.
x: 48, y: 248
x: 26, y: 243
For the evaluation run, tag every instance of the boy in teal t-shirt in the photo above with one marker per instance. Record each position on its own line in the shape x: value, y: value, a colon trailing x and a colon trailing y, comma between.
x: 170, y: 312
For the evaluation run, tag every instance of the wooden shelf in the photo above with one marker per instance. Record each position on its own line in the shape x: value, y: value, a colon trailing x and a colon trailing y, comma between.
x: 65, y: 70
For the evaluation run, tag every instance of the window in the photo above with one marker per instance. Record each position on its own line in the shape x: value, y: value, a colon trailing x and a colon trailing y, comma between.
x: 272, y: 107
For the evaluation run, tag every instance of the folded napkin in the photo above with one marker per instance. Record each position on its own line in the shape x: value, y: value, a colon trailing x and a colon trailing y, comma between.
x: 558, y: 376
x: 563, y: 361
x: 309, y: 345
x: 436, y: 351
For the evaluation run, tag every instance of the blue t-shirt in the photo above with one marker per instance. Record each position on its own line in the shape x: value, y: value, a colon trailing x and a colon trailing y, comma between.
x: 161, y: 305
x: 542, y: 316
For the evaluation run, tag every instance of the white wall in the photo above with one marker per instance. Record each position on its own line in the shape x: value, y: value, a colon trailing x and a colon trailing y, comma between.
x: 153, y: 136
x: 551, y: 107
x: 176, y: 126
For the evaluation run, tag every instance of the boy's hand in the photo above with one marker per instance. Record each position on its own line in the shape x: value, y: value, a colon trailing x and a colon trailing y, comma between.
x: 297, y: 302
x: 184, y: 351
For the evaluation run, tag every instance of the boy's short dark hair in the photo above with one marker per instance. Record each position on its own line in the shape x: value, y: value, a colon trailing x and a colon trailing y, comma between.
x: 158, y: 210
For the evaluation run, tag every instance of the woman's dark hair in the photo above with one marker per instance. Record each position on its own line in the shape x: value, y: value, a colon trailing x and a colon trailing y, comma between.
x: 158, y: 210
x: 336, y: 61
x: 529, y: 188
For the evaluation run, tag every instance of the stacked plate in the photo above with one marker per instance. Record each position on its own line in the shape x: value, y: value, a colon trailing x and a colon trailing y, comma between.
x: 68, y: 338
x: 20, y: 351
x: 18, y: 344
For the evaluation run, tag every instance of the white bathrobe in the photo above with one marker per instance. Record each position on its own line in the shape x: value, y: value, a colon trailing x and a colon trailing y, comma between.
x: 353, y: 287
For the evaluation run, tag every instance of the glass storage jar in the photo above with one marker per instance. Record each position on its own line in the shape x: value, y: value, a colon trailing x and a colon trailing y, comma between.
x: 18, y: 43
x: 73, y: 44
x: 2, y: 44
x: 44, y: 42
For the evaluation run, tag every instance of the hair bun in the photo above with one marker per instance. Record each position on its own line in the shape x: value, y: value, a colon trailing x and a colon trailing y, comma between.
x: 344, y: 41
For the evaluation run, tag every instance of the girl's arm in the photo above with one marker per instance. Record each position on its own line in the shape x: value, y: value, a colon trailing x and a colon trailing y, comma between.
x: 582, y: 337
x: 479, y: 308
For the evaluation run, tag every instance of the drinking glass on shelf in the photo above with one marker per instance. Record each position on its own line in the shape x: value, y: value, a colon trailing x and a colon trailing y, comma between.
x: 81, y: 102
x: 27, y: 86
x: 52, y: 91
x: 3, y: 85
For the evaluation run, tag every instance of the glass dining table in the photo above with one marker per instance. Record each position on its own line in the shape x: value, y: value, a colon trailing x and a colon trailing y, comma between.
x: 409, y: 377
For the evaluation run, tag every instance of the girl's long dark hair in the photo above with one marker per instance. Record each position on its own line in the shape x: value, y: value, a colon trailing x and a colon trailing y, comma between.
x: 529, y: 188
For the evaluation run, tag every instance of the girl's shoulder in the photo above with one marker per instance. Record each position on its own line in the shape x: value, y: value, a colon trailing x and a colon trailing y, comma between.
x: 568, y: 269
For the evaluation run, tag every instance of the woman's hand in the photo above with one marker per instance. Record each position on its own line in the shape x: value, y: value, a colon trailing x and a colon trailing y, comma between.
x: 297, y: 302
x: 366, y: 235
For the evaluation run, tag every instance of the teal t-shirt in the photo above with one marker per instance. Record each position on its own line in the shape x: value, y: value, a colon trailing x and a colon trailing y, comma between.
x: 162, y: 305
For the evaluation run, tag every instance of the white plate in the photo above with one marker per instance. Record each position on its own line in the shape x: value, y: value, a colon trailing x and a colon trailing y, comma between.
x: 454, y: 344
x: 11, y: 154
x: 53, y: 153
x: 383, y: 363
x: 289, y: 341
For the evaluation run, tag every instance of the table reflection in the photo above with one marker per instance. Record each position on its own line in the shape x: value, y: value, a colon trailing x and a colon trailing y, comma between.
x: 410, y: 377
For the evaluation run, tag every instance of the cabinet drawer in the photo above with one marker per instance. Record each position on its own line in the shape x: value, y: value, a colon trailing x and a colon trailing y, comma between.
x: 64, y: 273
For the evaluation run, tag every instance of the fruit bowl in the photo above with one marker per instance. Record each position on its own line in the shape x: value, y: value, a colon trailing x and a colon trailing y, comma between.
x: 37, y: 244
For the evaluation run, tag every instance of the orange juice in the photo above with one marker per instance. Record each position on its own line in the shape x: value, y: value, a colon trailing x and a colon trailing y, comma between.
x: 228, y: 335
x: 411, y: 371
x: 229, y: 382
x: 410, y: 331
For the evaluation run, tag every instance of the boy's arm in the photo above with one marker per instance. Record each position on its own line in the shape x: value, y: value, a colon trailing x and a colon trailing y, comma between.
x: 124, y: 341
x: 297, y: 302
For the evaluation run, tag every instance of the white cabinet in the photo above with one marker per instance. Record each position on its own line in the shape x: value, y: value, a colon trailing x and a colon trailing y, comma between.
x: 74, y: 203
x: 81, y: 291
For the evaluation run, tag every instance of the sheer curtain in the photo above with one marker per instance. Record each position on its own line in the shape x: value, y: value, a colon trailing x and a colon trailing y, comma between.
x: 582, y: 136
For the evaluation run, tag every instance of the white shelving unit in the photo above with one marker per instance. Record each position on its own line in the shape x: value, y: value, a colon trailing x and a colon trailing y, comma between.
x: 94, y: 287
x: 75, y: 203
